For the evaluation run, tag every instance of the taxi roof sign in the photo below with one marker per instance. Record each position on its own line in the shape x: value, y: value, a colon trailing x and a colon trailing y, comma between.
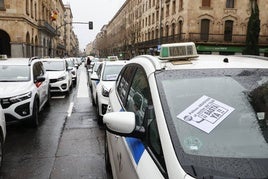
x: 175, y: 51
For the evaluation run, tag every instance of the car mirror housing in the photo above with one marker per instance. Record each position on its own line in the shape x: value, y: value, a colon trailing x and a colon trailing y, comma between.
x: 121, y: 123
x: 40, y: 79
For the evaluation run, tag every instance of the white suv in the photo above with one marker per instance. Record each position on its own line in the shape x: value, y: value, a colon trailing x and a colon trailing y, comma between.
x: 24, y: 89
x: 59, y: 74
x: 182, y: 116
x: 2, y: 133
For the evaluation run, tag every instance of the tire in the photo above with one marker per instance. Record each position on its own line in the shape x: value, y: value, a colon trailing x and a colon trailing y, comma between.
x: 107, y: 156
x: 48, y: 98
x: 1, y: 151
x: 34, y: 120
x: 99, y: 117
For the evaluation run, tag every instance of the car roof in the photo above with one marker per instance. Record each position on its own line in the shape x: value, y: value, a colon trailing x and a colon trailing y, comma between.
x: 184, y: 56
x: 16, y: 61
x: 53, y: 59
x: 117, y: 62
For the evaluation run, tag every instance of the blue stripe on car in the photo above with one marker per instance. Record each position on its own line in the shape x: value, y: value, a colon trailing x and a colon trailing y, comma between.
x: 136, y: 147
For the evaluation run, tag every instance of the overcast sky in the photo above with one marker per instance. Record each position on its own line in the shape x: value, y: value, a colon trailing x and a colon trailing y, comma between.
x: 98, y: 11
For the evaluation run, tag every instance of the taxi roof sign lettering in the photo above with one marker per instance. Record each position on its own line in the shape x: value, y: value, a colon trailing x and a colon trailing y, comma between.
x: 177, y: 51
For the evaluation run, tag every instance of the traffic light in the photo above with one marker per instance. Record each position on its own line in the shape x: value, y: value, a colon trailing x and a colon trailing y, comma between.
x: 90, y: 25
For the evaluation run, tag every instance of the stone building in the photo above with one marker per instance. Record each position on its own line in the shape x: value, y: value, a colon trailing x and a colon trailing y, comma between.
x: 32, y: 28
x: 215, y: 26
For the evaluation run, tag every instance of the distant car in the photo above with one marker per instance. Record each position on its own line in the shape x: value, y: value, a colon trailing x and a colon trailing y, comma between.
x: 73, y: 68
x: 2, y: 133
x: 182, y: 116
x: 92, y: 74
x: 59, y: 75
x: 106, y: 75
x: 24, y: 89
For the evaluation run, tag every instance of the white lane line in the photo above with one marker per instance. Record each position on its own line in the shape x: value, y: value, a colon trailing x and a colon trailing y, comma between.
x: 82, y: 91
x: 70, y: 109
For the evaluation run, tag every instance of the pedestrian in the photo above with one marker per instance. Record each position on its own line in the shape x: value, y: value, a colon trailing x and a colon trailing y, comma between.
x: 88, y: 62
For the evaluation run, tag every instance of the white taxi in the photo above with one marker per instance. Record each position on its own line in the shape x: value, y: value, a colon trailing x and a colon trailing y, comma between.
x: 106, y: 75
x: 59, y: 74
x: 24, y: 89
x: 2, y: 134
x: 182, y: 116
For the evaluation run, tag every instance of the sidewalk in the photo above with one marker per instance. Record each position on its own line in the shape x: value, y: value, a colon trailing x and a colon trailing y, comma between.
x: 81, y: 149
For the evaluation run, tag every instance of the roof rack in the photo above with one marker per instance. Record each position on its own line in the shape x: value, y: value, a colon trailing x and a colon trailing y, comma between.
x: 177, y: 51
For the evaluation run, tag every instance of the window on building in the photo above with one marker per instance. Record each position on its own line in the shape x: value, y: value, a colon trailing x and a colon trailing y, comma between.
x: 205, y: 3
x: 167, y: 30
x: 229, y: 3
x: 181, y: 5
x: 31, y: 8
x: 35, y: 11
x: 2, y: 4
x: 149, y: 20
x: 228, y: 30
x: 173, y: 26
x: 157, y: 15
x: 27, y: 7
x: 167, y: 10
x: 204, y: 29
x: 180, y: 30
x: 153, y: 18
x: 174, y: 7
x: 162, y: 10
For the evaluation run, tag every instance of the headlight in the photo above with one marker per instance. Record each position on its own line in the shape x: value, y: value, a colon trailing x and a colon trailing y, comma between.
x: 6, y: 102
x: 105, y: 92
x: 62, y: 78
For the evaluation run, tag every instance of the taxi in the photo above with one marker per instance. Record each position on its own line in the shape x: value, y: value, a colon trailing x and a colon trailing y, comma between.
x: 182, y: 116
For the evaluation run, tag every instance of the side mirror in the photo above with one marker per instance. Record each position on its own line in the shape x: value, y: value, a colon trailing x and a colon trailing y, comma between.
x: 95, y: 77
x: 120, y: 122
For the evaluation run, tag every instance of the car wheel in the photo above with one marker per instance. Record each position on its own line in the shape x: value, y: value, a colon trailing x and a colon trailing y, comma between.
x: 99, y: 117
x: 1, y: 151
x: 35, y: 116
x: 93, y: 101
x: 48, y: 98
x: 106, y: 155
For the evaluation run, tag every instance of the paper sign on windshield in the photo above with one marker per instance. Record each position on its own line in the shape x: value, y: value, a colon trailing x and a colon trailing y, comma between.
x: 111, y: 77
x: 205, y: 113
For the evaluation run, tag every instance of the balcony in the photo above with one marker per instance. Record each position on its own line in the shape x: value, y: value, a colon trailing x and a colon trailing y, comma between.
x: 45, y: 26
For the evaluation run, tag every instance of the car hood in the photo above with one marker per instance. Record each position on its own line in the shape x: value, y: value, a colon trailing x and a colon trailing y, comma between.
x: 9, y: 89
x: 55, y: 74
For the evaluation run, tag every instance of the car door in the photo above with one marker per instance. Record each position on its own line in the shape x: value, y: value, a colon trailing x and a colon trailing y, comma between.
x: 95, y: 81
x: 129, y: 153
x: 38, y: 71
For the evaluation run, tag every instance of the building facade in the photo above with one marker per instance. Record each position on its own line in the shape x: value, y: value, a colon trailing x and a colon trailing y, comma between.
x: 140, y: 26
x: 32, y: 28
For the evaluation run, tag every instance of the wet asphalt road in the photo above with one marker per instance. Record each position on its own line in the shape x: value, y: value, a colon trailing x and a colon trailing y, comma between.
x: 67, y: 144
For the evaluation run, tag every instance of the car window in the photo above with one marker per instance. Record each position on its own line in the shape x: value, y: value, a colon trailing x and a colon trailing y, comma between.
x: 139, y: 101
x: 124, y: 81
x: 232, y: 102
x: 14, y: 73
x: 37, y: 70
x: 55, y: 65
x: 99, y: 70
x: 111, y: 72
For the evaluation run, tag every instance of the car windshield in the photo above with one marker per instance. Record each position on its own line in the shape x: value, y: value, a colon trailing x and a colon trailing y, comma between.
x: 217, y: 113
x: 54, y: 65
x: 71, y: 63
x: 111, y: 72
x: 14, y: 73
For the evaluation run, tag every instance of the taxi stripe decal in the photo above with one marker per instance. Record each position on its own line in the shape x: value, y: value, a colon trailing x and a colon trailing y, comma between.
x: 136, y: 147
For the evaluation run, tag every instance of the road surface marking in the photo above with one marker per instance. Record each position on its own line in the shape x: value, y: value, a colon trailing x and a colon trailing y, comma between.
x: 69, y: 112
x: 82, y: 91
